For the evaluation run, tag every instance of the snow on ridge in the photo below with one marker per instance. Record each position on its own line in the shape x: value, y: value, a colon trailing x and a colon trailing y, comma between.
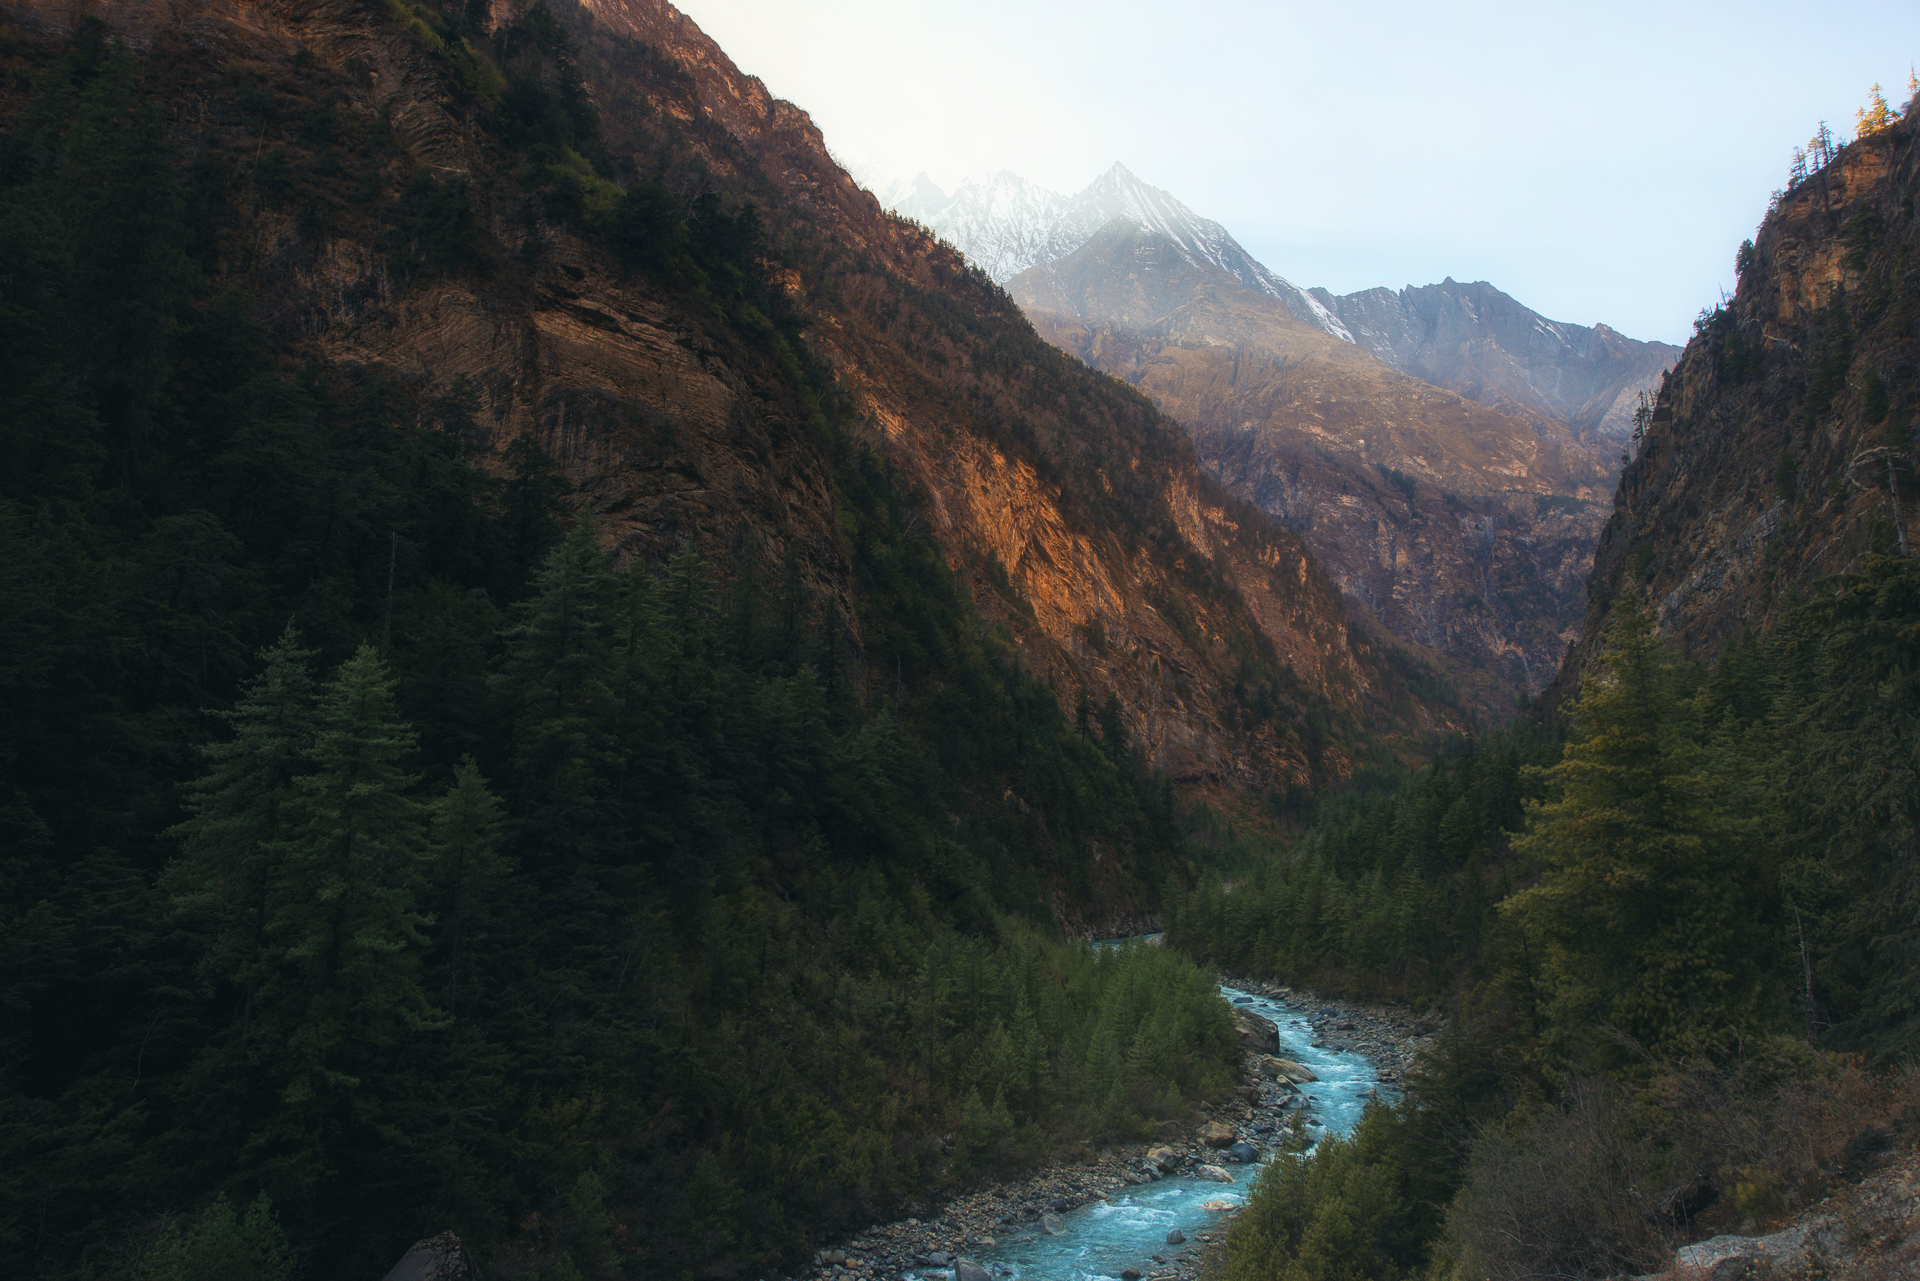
x: 1006, y: 224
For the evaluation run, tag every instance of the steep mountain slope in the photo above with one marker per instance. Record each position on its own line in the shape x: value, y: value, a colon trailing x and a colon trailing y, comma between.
x: 1006, y: 224
x: 1480, y: 342
x: 1781, y: 448
x: 671, y: 432
x: 1464, y: 530
x: 1087, y: 503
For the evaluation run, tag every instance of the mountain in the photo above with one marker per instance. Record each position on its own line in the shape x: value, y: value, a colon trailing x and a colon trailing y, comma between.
x: 1471, y: 339
x: 1007, y: 225
x: 1780, y: 446
x: 571, y: 678
x: 1480, y: 342
x: 1465, y: 530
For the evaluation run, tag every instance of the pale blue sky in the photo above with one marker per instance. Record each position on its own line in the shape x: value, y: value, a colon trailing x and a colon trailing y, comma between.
x: 1600, y: 162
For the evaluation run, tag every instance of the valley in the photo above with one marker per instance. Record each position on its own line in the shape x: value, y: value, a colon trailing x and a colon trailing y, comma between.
x: 575, y: 690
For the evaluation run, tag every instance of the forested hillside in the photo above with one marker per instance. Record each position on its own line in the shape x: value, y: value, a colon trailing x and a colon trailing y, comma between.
x: 381, y: 855
x: 1673, y: 924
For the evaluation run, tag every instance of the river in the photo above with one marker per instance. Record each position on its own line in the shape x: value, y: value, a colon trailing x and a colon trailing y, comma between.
x: 1129, y: 1228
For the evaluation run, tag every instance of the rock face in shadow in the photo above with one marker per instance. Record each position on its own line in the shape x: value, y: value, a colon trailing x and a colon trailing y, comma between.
x: 1478, y: 341
x: 1466, y: 531
x: 1781, y: 449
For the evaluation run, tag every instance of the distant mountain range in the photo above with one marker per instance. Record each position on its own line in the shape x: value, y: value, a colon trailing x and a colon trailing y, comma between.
x: 1480, y: 342
x: 1465, y: 530
x: 1468, y: 338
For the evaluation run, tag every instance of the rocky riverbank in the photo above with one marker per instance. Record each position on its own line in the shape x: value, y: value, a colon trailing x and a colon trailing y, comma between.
x: 1218, y: 1143
x: 1390, y: 1036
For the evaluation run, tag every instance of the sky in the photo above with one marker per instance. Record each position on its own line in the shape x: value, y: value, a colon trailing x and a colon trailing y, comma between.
x: 1599, y: 162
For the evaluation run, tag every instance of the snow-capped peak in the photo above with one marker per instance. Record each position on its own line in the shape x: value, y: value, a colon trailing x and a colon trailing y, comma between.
x: 1007, y: 224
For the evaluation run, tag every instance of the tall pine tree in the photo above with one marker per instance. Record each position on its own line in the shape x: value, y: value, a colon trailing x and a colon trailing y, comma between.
x: 1646, y: 906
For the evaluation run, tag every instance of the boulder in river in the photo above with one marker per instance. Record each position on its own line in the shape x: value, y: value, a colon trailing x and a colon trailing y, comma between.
x: 1298, y: 1073
x: 1213, y: 1173
x: 968, y: 1270
x: 1218, y: 1205
x: 1258, y: 1034
x: 1052, y: 1224
x: 1176, y: 1237
x: 1217, y: 1134
x: 1243, y: 1152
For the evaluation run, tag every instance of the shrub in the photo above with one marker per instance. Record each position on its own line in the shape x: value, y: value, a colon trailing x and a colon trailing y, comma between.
x: 1565, y: 1192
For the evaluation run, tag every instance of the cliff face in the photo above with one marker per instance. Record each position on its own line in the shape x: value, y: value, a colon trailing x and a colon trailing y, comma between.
x: 1081, y: 517
x: 1020, y: 455
x: 1782, y: 446
x: 1464, y: 530
x: 1475, y: 340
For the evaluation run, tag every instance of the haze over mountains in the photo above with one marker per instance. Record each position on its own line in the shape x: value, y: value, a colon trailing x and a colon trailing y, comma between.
x: 1469, y: 338
x: 1007, y: 224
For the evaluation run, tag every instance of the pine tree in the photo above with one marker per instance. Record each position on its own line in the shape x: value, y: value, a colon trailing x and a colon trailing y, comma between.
x: 232, y: 845
x: 554, y: 679
x: 467, y: 873
x: 220, y: 1245
x: 345, y: 937
x: 1876, y: 115
x: 1643, y: 908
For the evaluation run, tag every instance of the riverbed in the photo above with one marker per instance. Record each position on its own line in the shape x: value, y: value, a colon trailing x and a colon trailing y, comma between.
x: 1079, y: 1223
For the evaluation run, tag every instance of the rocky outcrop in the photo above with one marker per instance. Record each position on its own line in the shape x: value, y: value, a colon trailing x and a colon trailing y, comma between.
x: 1781, y: 446
x: 1466, y: 532
x: 441, y: 1258
x: 1090, y: 609
x: 1867, y: 1230
x: 1478, y: 341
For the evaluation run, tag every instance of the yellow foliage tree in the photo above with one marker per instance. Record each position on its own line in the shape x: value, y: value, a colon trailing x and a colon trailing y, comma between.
x: 1876, y: 115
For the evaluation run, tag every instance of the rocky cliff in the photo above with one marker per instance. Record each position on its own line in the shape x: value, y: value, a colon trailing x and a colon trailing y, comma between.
x: 1079, y: 514
x: 1465, y: 530
x: 1781, y: 449
x: 1487, y: 346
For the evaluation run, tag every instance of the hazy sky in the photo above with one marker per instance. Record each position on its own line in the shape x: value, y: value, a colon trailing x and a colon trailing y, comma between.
x: 1599, y: 162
